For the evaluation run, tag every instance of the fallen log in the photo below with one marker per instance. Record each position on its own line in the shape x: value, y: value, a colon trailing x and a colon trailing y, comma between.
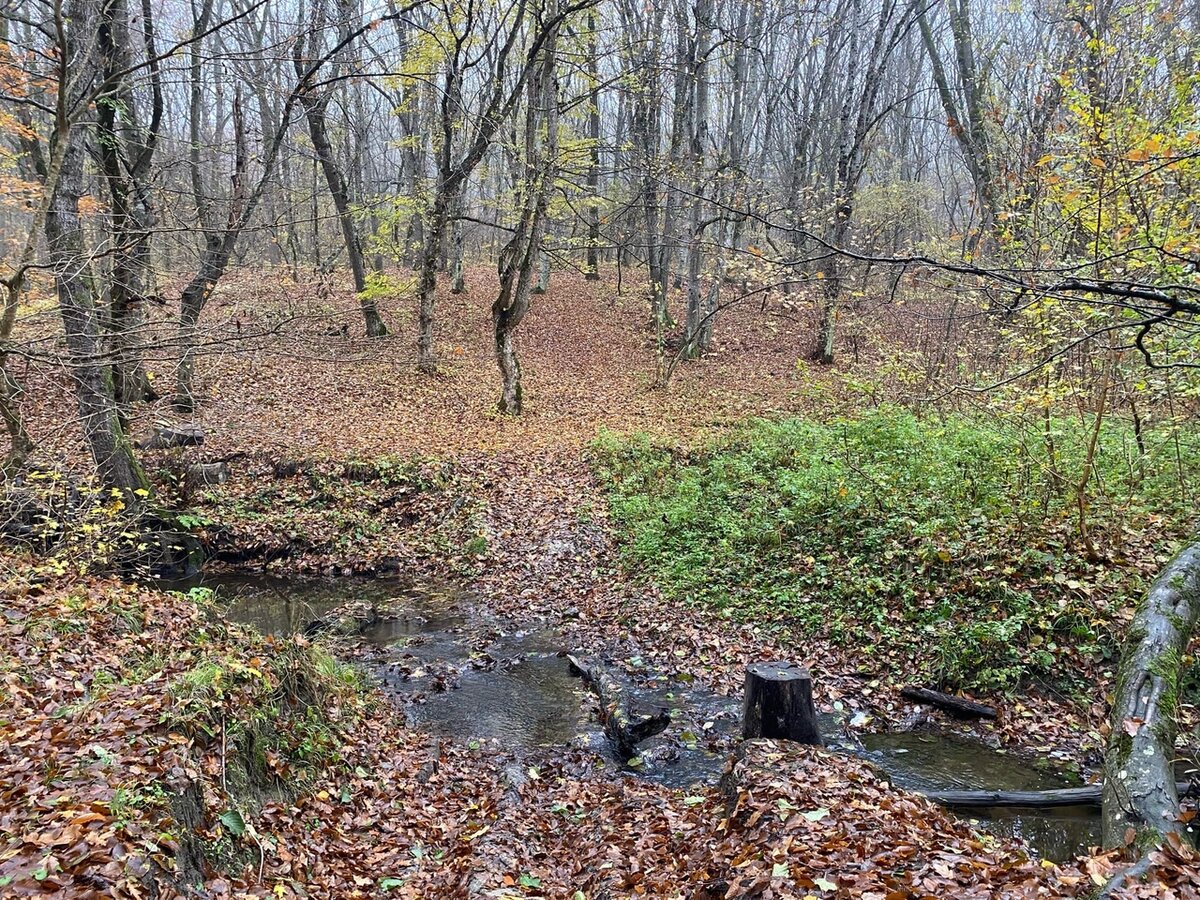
x: 1080, y: 796
x: 956, y: 706
x: 165, y: 437
x: 779, y: 703
x: 626, y: 723
x: 1141, y: 799
x: 1088, y: 795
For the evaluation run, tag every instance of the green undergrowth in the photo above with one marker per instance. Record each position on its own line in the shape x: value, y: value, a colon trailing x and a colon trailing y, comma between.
x: 950, y: 547
x: 275, y: 714
x: 282, y: 703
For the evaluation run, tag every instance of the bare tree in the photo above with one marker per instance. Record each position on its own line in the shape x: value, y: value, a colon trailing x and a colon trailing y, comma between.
x: 519, y: 257
x: 315, y: 102
x: 78, y: 299
x: 505, y: 83
x: 963, y: 101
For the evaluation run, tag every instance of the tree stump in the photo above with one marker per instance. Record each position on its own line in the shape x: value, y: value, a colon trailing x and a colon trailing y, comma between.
x: 779, y: 703
x: 205, y: 474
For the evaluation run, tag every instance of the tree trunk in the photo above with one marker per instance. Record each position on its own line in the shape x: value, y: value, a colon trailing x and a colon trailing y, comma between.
x: 413, y: 175
x: 314, y: 113
x: 458, y: 276
x: 779, y: 703
x: 593, y: 175
x: 543, y: 267
x: 831, y: 289
x: 98, y: 410
x: 699, y: 141
x: 645, y: 127
x: 47, y: 171
x: 511, y: 398
x: 191, y: 303
x: 826, y: 329
x: 670, y: 245
x: 520, y: 255
x: 1140, y: 796
x: 19, y: 443
x: 125, y: 153
x: 969, y: 129
x: 434, y: 227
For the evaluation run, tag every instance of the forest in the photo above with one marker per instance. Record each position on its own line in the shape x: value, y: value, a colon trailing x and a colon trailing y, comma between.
x: 598, y: 449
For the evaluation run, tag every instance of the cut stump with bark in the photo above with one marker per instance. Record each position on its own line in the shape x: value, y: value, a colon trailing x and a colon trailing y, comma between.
x: 779, y: 703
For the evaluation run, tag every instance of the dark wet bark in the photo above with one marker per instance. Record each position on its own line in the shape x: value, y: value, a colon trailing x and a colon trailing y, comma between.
x: 593, y: 176
x: 314, y: 112
x: 218, y: 250
x: 963, y: 100
x: 314, y: 107
x: 857, y: 118
x: 699, y: 89
x: 831, y: 289
x: 434, y: 228
x: 1090, y: 795
x: 779, y: 703
x: 19, y: 443
x: 645, y: 126
x: 520, y: 256
x: 625, y: 725
x: 458, y: 275
x: 957, y: 706
x: 126, y: 151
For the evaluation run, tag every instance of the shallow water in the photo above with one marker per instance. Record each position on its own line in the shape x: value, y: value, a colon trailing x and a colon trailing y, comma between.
x: 463, y: 674
x: 929, y: 762
x: 533, y: 703
x: 274, y: 604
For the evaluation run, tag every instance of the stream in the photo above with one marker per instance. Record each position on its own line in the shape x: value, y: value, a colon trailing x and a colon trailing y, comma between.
x: 461, y: 673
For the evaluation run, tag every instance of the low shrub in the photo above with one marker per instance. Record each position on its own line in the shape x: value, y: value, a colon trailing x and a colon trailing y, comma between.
x: 951, y: 541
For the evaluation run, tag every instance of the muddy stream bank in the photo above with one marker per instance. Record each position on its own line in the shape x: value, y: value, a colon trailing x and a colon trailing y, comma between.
x: 460, y: 673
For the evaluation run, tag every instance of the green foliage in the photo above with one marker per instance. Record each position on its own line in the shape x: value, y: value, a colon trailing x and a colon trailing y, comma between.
x: 128, y: 801
x: 476, y: 546
x: 191, y: 520
x: 381, y: 286
x: 283, y: 697
x: 947, y: 540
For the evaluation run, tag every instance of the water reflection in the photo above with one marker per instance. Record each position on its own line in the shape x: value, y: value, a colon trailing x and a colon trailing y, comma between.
x: 923, y: 762
x: 534, y: 703
x: 463, y: 674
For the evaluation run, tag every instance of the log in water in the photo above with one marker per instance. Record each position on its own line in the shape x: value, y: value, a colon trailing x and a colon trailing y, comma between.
x: 957, y: 706
x: 626, y: 723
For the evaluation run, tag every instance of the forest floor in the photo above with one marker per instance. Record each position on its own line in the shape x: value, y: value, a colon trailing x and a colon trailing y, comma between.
x: 512, y: 508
